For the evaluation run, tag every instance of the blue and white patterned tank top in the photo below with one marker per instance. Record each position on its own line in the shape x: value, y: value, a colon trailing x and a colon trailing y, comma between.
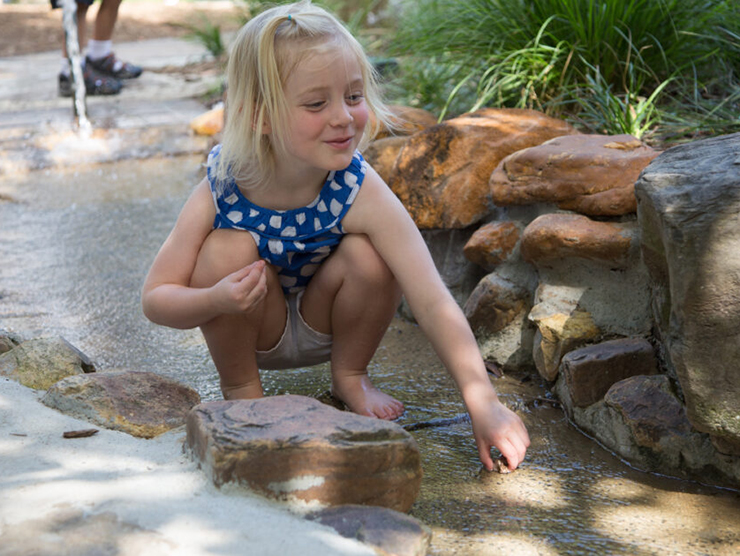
x: 296, y: 241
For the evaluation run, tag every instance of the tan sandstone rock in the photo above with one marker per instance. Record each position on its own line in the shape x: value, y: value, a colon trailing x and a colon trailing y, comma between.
x: 558, y: 334
x: 442, y: 173
x: 41, y: 362
x: 558, y: 236
x: 492, y: 244
x: 141, y: 404
x: 294, y: 447
x: 589, y: 174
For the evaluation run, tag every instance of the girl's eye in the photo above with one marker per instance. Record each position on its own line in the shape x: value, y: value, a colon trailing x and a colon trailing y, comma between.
x: 315, y: 105
x: 355, y: 98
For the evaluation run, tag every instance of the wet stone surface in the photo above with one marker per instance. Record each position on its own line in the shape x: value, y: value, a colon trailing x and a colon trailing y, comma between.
x: 75, y: 245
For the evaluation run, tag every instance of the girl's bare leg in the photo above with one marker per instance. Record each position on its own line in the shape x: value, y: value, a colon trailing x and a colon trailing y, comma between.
x: 353, y: 296
x: 234, y: 339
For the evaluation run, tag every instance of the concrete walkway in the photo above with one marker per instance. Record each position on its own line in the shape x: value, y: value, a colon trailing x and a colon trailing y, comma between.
x: 37, y: 127
x: 28, y: 88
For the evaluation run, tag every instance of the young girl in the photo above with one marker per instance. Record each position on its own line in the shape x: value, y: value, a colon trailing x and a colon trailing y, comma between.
x: 293, y: 251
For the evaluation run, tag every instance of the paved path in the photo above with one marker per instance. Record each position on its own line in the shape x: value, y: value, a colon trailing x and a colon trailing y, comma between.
x: 37, y: 126
x: 28, y: 87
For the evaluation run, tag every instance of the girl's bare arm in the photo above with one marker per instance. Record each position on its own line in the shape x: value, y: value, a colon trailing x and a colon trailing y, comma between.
x: 379, y: 214
x: 167, y: 297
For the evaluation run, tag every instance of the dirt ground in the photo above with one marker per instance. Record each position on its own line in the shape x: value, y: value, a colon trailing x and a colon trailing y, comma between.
x: 28, y: 27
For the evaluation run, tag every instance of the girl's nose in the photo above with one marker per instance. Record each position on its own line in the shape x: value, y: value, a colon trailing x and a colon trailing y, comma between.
x: 341, y: 115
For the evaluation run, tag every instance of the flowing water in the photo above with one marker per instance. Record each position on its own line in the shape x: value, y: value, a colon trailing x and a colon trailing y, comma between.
x: 79, y: 106
x: 75, y: 245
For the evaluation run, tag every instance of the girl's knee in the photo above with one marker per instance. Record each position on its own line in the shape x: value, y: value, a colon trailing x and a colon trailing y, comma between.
x: 223, y: 252
x: 364, y: 263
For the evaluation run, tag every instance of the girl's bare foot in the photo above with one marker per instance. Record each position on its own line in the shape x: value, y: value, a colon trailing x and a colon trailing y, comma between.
x: 246, y: 391
x: 361, y: 397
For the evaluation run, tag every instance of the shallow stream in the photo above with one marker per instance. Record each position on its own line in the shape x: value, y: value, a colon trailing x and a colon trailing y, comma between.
x: 75, y: 245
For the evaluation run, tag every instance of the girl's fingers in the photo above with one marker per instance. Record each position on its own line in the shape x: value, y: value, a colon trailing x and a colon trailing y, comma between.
x: 484, y: 452
x: 242, y: 273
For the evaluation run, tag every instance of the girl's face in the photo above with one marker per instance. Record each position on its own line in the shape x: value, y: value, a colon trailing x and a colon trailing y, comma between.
x: 327, y: 112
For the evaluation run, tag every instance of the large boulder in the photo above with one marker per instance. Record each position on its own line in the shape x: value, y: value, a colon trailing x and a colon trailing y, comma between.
x: 442, y: 173
x: 689, y: 212
x: 589, y: 174
x: 294, y: 447
x: 141, y: 404
x: 41, y: 362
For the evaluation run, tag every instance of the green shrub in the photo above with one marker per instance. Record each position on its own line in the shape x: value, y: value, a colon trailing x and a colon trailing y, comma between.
x: 571, y: 57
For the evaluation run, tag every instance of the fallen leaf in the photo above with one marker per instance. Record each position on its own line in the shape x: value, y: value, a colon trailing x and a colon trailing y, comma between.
x: 80, y: 434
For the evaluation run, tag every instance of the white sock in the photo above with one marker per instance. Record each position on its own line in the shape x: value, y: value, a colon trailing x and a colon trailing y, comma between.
x: 98, y: 49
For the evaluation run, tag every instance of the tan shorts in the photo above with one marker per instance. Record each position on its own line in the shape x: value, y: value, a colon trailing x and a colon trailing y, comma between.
x: 300, y: 345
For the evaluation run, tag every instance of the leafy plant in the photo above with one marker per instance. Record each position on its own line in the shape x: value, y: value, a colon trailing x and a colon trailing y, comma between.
x: 542, y: 53
x: 610, y: 113
x: 209, y: 35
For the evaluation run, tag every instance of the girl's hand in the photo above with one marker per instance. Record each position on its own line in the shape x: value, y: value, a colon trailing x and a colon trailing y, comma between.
x: 496, y: 425
x: 241, y: 291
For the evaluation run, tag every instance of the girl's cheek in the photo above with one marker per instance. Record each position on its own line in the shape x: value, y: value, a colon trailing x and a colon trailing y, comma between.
x: 361, y: 117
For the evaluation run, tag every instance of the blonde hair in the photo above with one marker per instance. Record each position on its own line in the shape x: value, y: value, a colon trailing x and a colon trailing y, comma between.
x: 266, y: 49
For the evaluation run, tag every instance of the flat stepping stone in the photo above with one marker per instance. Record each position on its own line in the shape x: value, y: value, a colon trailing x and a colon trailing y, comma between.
x: 142, y: 404
x: 295, y: 447
x: 390, y: 532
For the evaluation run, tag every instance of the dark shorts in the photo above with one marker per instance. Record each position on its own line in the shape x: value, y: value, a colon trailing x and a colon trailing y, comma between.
x: 58, y: 3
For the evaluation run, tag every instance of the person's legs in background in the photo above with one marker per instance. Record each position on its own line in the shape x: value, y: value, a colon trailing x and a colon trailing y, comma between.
x: 102, y: 71
x: 100, y: 47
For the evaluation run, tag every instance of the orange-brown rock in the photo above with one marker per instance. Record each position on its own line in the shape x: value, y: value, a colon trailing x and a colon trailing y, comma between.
x: 209, y: 123
x: 492, y: 244
x: 294, y: 447
x: 407, y: 121
x: 442, y: 173
x: 382, y: 154
x: 590, y: 174
x: 557, y: 236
